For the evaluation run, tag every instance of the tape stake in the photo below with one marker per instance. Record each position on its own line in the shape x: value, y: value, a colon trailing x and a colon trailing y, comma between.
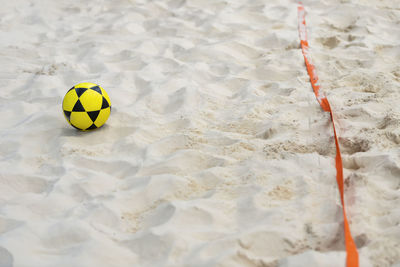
x: 351, y: 249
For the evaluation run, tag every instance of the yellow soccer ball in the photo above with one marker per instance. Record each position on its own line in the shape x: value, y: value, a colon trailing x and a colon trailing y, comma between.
x: 86, y: 106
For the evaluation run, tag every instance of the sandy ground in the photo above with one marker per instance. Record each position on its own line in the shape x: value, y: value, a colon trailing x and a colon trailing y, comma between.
x: 216, y: 152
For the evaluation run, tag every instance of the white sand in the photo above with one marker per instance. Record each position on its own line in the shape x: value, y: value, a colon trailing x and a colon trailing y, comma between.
x: 216, y: 152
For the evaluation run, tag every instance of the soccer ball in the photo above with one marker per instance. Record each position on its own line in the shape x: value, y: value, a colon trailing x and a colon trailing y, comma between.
x: 86, y: 106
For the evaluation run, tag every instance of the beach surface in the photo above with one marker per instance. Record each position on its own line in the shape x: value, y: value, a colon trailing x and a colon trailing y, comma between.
x: 216, y: 152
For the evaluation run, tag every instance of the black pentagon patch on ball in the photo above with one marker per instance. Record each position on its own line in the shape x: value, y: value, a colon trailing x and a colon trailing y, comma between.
x: 105, y: 103
x: 67, y: 114
x: 92, y: 127
x: 78, y: 106
x: 80, y: 91
x: 97, y: 89
x: 93, y: 114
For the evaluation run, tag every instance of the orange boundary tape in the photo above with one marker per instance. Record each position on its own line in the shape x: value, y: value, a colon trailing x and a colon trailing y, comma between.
x: 351, y: 249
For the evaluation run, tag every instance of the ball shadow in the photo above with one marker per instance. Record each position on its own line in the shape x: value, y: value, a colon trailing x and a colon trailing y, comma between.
x: 75, y: 132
